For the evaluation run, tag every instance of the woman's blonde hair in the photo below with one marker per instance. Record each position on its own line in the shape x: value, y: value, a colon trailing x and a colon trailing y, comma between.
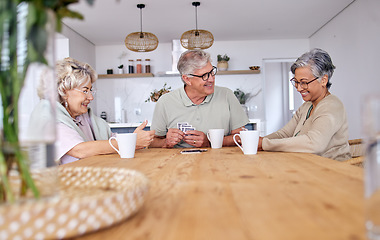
x: 72, y: 74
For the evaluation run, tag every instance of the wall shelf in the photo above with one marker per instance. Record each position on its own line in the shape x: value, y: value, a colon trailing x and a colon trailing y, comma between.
x: 138, y: 75
x: 126, y: 75
x: 232, y: 72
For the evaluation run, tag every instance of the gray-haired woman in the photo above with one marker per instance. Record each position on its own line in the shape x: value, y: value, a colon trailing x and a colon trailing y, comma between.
x: 80, y: 133
x: 320, y: 125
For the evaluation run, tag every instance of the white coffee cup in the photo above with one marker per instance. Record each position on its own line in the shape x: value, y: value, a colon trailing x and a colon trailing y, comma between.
x: 249, y: 141
x: 215, y: 136
x: 127, y: 144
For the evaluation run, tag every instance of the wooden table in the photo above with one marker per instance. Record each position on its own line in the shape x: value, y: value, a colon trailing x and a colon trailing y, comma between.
x: 223, y: 194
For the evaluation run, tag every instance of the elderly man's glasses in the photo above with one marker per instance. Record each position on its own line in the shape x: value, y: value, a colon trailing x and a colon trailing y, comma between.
x: 87, y: 92
x: 207, y: 74
x: 303, y: 84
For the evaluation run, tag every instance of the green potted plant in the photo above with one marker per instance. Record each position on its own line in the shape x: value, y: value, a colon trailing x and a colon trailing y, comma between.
x: 121, y: 70
x: 242, y: 96
x: 156, y: 94
x: 223, y: 62
x: 33, y: 32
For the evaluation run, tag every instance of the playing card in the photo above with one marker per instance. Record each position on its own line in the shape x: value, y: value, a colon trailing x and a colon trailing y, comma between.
x: 185, y: 129
x: 182, y: 125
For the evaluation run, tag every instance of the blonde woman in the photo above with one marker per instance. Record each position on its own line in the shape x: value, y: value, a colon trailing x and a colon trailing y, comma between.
x: 80, y: 133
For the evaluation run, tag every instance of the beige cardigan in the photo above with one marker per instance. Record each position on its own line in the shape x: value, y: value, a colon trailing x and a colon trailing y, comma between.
x: 324, y: 133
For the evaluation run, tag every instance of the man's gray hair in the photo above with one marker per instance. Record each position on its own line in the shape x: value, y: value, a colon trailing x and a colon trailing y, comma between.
x: 192, y: 60
x: 319, y: 62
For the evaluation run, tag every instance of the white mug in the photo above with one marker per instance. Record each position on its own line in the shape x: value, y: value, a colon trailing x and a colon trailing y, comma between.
x: 127, y: 144
x: 215, y: 136
x: 249, y: 141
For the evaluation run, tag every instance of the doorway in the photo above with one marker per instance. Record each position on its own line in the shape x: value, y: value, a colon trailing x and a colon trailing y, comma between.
x: 280, y: 97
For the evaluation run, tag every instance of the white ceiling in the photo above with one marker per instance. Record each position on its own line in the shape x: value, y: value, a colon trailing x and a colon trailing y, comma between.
x: 108, y: 22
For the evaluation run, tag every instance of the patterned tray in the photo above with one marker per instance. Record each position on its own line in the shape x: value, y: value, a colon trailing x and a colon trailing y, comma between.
x: 89, y: 199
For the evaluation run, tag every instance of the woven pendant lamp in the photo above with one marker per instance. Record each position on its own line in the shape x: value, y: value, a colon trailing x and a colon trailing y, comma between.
x: 141, y: 41
x: 197, y: 38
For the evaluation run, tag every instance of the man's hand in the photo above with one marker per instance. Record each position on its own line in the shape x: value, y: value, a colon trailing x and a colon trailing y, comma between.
x: 196, y: 138
x: 173, y: 136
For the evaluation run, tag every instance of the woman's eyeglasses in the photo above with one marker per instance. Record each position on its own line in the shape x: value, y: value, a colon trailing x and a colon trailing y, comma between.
x: 92, y: 91
x: 303, y: 84
x: 206, y: 76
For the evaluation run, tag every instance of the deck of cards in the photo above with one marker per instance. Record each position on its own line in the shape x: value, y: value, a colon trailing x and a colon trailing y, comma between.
x: 184, y: 126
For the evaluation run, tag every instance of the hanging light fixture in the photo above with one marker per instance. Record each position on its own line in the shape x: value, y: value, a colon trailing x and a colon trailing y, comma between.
x: 197, y: 38
x: 141, y: 41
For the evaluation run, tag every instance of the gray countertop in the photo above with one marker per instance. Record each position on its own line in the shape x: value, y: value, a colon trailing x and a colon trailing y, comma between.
x: 126, y: 125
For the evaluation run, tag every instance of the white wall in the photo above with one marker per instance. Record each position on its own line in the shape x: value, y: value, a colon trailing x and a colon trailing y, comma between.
x: 79, y: 47
x: 353, y: 41
x: 61, y: 48
x: 242, y: 53
x: 108, y: 57
x: 131, y: 93
x: 250, y: 53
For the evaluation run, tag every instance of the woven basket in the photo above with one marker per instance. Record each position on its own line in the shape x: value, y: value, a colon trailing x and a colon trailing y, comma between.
x: 89, y: 199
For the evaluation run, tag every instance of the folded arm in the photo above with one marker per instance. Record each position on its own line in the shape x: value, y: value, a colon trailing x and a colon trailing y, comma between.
x: 92, y: 148
x: 228, y: 140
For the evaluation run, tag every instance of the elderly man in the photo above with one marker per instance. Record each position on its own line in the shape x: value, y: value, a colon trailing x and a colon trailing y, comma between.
x: 183, y: 117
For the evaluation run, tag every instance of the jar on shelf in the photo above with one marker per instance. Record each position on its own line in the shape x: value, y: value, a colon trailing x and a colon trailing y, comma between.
x: 103, y: 115
x: 138, y: 66
x: 147, y: 65
x: 130, y: 66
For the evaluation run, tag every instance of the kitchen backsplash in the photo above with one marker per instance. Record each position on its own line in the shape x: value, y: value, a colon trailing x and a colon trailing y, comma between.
x: 124, y: 99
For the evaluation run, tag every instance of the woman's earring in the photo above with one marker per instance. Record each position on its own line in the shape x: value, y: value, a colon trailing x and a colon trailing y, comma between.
x: 66, y: 104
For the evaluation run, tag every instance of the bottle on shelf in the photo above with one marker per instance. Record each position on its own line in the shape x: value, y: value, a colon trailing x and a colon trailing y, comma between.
x: 138, y: 66
x: 130, y: 66
x: 147, y: 65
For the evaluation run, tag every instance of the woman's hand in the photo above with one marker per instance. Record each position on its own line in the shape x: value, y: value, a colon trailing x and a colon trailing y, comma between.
x: 144, y: 138
x: 260, y: 145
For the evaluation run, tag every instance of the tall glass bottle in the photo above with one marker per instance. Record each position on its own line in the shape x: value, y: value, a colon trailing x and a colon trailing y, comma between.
x: 130, y: 66
x: 138, y: 66
x: 37, y: 107
x: 147, y: 65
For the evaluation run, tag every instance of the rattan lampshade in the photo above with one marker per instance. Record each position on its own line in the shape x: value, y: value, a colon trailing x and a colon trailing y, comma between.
x: 141, y: 41
x: 197, y: 38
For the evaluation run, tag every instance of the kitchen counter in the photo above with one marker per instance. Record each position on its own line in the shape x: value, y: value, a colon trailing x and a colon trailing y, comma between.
x: 125, y: 125
x: 130, y: 127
